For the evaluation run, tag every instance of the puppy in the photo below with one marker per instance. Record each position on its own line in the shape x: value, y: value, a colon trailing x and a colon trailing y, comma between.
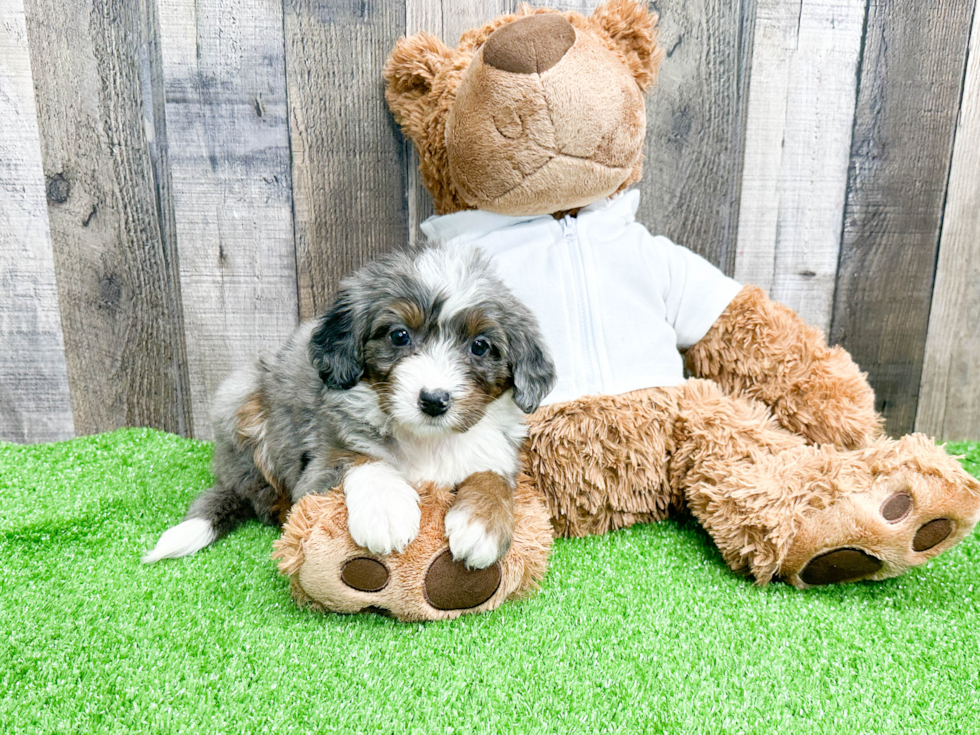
x: 421, y: 371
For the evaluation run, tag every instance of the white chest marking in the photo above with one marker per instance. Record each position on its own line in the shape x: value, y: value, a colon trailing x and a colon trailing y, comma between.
x: 492, y: 445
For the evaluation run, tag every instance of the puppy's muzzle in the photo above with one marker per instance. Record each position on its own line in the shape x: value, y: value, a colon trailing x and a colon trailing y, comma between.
x: 434, y: 403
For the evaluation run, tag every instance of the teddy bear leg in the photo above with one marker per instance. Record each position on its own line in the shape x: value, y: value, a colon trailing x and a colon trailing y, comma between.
x: 601, y: 462
x: 908, y: 502
x: 780, y: 508
x: 762, y: 350
x: 331, y: 573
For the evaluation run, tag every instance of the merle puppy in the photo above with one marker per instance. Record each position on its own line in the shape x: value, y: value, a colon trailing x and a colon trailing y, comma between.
x: 421, y: 371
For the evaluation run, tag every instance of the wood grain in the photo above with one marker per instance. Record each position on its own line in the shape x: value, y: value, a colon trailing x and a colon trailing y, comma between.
x: 949, y: 399
x: 909, y: 93
x: 223, y: 68
x: 446, y: 21
x: 801, y: 110
x: 117, y: 285
x: 34, y: 398
x: 349, y: 166
x: 695, y: 124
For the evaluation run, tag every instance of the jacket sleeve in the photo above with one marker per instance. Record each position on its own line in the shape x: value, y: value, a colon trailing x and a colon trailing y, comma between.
x: 697, y: 292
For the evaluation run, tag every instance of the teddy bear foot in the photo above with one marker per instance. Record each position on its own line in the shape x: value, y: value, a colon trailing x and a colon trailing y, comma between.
x: 331, y: 573
x: 918, y: 504
x: 446, y: 586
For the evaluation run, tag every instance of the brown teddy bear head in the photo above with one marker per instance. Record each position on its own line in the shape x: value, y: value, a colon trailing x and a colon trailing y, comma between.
x: 535, y: 113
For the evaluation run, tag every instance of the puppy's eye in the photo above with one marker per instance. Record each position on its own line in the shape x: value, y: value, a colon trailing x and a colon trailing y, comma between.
x: 400, y: 337
x: 480, y: 347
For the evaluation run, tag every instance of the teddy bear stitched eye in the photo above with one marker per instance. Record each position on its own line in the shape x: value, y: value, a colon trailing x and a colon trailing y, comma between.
x: 400, y: 337
x: 480, y: 347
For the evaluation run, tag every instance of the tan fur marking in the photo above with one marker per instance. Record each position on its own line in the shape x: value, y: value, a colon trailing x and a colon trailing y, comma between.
x: 470, y: 404
x: 250, y: 431
x: 490, y: 500
x: 250, y: 419
x: 349, y: 457
x: 409, y: 312
x: 477, y: 323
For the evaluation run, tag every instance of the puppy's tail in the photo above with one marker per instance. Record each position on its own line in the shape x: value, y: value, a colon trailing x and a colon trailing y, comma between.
x: 213, y: 514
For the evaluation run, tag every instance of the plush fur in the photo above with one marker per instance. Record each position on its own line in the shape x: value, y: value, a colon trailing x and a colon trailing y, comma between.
x: 315, y: 548
x: 419, y: 373
x: 773, y: 444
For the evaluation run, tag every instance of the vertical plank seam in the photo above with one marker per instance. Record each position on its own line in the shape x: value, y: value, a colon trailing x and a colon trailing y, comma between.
x: 747, y: 21
x: 289, y: 141
x: 859, y: 70
x: 163, y: 189
x: 939, y: 229
x: 952, y: 147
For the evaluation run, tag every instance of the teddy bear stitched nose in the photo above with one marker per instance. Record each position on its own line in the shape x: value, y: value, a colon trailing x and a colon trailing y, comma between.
x: 530, y: 45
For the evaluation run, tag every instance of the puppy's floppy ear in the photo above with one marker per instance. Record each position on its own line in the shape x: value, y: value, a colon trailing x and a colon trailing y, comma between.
x: 633, y: 28
x: 336, y: 349
x: 530, y: 364
x: 409, y: 73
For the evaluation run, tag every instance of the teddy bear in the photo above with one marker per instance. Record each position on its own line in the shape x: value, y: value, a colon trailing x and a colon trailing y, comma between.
x: 679, y: 390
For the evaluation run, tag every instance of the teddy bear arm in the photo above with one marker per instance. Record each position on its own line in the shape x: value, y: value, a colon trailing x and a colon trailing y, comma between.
x: 763, y: 350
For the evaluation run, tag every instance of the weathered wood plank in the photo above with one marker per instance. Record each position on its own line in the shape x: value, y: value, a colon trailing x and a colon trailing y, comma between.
x: 34, y: 400
x: 949, y: 399
x: 349, y: 187
x: 695, y: 126
x: 909, y: 93
x: 224, y: 78
x: 447, y: 21
x: 800, y: 116
x: 116, y: 273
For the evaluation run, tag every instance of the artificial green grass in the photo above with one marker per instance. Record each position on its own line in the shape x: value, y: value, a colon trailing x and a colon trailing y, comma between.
x: 643, y: 630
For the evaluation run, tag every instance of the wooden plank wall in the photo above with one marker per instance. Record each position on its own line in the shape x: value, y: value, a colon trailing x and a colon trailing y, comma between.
x: 909, y: 94
x: 34, y: 399
x: 116, y: 275
x: 223, y: 69
x: 187, y: 179
x: 801, y: 111
x: 949, y: 402
x: 348, y: 174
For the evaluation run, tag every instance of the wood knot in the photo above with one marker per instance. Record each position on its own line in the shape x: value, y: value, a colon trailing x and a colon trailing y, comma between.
x: 58, y: 189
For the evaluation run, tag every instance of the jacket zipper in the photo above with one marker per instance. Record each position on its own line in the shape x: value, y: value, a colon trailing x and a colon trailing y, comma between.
x: 570, y: 232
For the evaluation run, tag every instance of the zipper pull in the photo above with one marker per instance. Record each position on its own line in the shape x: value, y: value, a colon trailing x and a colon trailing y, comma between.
x: 568, y: 227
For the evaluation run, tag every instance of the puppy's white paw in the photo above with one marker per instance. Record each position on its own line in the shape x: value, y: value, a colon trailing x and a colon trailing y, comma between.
x: 382, y: 509
x: 471, y: 541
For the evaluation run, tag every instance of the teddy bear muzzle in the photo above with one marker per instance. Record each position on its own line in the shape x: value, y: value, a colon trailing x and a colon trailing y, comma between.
x: 546, y: 118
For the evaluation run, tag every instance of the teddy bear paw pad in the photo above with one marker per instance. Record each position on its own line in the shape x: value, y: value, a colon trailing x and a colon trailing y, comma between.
x: 932, y: 534
x: 364, y: 574
x: 896, y: 507
x: 840, y: 565
x: 449, y: 585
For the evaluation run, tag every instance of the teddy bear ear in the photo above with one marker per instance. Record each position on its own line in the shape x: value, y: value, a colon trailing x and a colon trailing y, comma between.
x: 409, y: 73
x: 633, y: 28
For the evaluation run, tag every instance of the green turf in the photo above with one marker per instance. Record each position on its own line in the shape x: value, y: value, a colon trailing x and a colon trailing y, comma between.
x: 643, y: 630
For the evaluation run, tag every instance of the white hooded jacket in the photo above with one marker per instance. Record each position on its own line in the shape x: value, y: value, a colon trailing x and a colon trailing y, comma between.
x: 615, y: 303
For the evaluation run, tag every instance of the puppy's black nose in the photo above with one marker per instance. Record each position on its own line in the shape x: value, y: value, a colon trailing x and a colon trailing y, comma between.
x: 434, y: 402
